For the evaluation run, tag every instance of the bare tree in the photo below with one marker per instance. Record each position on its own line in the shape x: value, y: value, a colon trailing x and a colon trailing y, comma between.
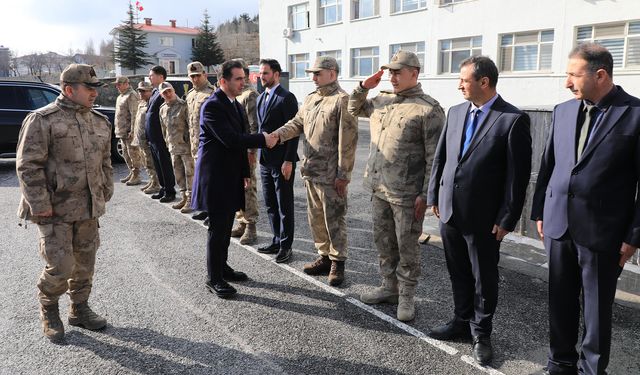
x: 89, y: 48
x: 34, y: 62
x: 14, y: 63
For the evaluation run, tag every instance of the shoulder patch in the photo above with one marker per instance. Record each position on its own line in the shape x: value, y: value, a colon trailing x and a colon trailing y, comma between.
x: 47, y: 110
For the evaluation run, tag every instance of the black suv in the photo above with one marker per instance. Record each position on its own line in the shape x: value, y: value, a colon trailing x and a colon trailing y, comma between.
x: 18, y: 98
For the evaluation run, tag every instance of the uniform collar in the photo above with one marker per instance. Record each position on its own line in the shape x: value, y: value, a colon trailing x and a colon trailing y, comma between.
x: 329, y: 89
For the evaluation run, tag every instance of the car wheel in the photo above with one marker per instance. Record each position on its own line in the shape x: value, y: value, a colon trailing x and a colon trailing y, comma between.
x: 117, y: 155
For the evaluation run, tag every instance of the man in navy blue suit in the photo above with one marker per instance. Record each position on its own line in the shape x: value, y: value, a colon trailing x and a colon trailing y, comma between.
x: 276, y: 106
x: 586, y: 198
x: 222, y: 172
x: 477, y: 188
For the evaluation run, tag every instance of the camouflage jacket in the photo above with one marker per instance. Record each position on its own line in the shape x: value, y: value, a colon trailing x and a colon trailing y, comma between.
x: 330, y: 135
x: 195, y: 97
x: 405, y: 128
x: 174, y: 120
x: 139, y: 136
x: 249, y: 100
x: 63, y: 163
x: 126, y: 109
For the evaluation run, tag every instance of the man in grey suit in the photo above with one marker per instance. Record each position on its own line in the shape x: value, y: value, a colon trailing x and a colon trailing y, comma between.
x: 586, y: 197
x: 477, y: 189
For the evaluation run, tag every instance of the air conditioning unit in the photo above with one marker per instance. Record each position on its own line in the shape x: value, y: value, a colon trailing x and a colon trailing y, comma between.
x: 287, y: 33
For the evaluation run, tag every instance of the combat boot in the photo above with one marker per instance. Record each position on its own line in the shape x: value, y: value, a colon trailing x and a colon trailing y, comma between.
x: 126, y: 178
x: 250, y: 235
x: 81, y: 315
x: 154, y: 187
x: 385, y: 293
x: 320, y: 266
x: 187, y: 206
x: 51, y: 324
x: 238, y: 230
x: 336, y: 274
x: 406, y: 303
x: 181, y: 203
x: 135, y: 178
x: 143, y: 187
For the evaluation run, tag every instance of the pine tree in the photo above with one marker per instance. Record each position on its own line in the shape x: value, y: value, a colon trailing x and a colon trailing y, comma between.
x: 129, y: 51
x: 206, y: 49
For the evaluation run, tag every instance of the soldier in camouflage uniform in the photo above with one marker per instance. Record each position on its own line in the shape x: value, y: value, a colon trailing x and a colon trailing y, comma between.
x: 200, y: 92
x: 64, y: 169
x: 329, y: 147
x: 405, y: 127
x: 126, y: 109
x: 140, y: 138
x: 247, y: 218
x: 174, y: 120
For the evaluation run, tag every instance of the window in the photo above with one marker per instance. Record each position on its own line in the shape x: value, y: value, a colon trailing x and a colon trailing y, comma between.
x: 529, y: 51
x: 329, y: 11
x: 166, y: 41
x: 299, y: 16
x: 398, y: 6
x: 297, y: 64
x: 454, y: 51
x: 449, y: 2
x: 364, y: 61
x: 621, y: 39
x: 363, y: 9
x: 38, y: 98
x: 170, y: 65
x: 417, y: 48
x: 337, y: 54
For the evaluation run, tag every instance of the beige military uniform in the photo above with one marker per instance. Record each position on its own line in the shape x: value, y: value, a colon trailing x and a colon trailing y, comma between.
x: 174, y: 121
x: 405, y: 128
x: 329, y: 147
x: 63, y: 165
x: 126, y: 109
x: 249, y: 101
x: 195, y: 98
x: 139, y: 140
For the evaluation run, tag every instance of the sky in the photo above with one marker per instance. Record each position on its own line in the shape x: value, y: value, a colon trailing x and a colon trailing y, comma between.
x: 29, y: 26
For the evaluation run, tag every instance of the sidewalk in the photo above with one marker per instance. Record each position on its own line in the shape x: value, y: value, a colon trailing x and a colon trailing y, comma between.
x: 527, y: 255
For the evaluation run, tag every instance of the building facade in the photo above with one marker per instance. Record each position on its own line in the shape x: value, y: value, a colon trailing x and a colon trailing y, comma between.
x: 168, y: 45
x: 529, y: 41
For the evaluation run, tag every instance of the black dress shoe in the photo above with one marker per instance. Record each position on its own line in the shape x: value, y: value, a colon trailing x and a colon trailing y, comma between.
x: 482, y: 351
x: 229, y: 274
x: 454, y: 329
x: 168, y: 198
x: 200, y: 215
x: 283, y: 255
x: 206, y: 221
x: 157, y: 195
x: 271, y: 249
x: 221, y: 288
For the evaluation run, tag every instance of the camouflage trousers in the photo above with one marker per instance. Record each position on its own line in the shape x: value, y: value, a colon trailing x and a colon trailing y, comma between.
x: 326, y: 212
x: 250, y: 213
x: 70, y: 252
x: 183, y: 167
x: 147, y: 158
x: 132, y: 154
x: 194, y: 139
x: 395, y: 233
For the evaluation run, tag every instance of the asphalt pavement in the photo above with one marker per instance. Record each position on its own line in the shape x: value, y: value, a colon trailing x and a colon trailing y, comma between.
x: 149, y: 284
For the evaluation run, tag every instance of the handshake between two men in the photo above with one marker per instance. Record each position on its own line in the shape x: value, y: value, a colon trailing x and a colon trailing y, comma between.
x: 271, y: 139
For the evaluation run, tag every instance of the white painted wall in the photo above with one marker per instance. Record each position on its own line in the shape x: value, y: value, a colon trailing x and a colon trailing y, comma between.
x: 488, y: 18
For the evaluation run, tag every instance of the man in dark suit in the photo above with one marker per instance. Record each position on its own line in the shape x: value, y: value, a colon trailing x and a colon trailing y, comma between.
x: 157, y: 144
x: 586, y: 197
x: 276, y: 106
x: 477, y: 189
x: 222, y: 172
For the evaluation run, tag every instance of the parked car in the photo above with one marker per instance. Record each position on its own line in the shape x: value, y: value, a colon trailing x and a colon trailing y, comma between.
x: 18, y: 98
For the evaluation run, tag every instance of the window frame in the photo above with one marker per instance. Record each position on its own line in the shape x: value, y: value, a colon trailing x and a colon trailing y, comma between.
x: 322, y: 15
x: 540, y: 43
x: 161, y: 40
x: 422, y: 5
x: 291, y: 16
x: 452, y: 50
x: 624, y: 63
x: 375, y: 63
x: 293, y: 68
x: 354, y: 8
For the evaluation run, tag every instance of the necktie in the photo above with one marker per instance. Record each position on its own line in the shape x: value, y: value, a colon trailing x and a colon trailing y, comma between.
x: 472, y: 124
x: 584, y: 130
x: 265, y: 104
